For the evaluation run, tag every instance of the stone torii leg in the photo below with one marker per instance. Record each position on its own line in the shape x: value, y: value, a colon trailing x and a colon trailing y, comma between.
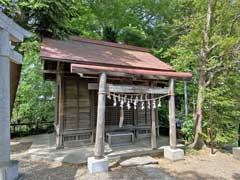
x: 8, y: 168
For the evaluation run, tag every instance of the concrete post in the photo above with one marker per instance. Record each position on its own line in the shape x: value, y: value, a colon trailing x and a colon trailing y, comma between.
x: 8, y: 168
x: 4, y: 97
x: 9, y: 31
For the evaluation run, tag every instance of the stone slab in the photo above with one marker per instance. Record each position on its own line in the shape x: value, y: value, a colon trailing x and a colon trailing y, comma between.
x: 236, y: 152
x: 137, y: 161
x: 97, y: 165
x: 9, y: 170
x: 173, y: 154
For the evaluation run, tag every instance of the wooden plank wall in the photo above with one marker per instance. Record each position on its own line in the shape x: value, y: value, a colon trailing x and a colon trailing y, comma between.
x: 133, y: 117
x: 76, y: 104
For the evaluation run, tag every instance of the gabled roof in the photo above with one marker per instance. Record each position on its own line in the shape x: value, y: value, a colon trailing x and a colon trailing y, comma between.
x: 103, y: 55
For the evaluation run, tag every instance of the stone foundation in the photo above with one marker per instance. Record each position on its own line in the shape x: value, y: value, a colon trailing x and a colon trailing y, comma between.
x: 9, y: 170
x: 173, y: 154
x: 97, y: 165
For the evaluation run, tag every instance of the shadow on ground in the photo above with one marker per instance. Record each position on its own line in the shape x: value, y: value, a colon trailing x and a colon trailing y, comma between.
x: 30, y: 170
x: 39, y: 170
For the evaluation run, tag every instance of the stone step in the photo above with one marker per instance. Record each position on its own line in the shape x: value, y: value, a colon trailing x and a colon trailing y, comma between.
x: 139, y: 161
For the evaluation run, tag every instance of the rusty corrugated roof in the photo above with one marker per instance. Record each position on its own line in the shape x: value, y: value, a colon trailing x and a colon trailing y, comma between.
x: 101, y: 54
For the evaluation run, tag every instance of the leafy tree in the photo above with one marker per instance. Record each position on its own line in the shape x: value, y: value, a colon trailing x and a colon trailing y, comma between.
x: 133, y: 36
x: 210, y: 51
x: 199, y: 36
x: 34, y: 102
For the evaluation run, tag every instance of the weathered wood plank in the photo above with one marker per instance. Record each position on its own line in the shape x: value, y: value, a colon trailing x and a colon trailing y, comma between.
x: 130, y: 89
x: 153, y: 131
x: 92, y: 114
x: 99, y: 140
x: 117, y: 74
x: 172, y: 123
x: 121, y: 118
x: 60, y: 86
x: 185, y: 98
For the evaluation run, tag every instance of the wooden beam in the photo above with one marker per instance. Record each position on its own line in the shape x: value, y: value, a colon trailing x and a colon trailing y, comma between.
x: 172, y: 123
x: 185, y: 98
x: 121, y: 118
x: 99, y: 140
x: 153, y: 131
x: 60, y: 106
x: 92, y: 115
x: 118, y: 74
x: 130, y: 89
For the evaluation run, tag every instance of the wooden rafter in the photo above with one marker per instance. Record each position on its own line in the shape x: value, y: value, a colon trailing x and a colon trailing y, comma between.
x: 130, y: 89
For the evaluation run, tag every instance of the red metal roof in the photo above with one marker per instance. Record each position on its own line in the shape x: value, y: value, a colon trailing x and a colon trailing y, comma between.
x: 111, y: 44
x: 101, y: 54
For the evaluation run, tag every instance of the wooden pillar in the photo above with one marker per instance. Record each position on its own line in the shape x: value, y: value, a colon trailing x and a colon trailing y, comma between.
x: 92, y: 115
x: 153, y: 131
x: 4, y: 97
x: 172, y: 123
x: 185, y: 98
x: 121, y: 118
x: 99, y: 140
x: 60, y: 106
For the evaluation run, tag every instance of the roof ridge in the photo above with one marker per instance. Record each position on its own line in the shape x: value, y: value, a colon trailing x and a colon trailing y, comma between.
x: 107, y: 43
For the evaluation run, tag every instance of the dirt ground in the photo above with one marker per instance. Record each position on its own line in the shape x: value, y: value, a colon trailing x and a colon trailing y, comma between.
x: 202, y: 165
x: 197, y: 165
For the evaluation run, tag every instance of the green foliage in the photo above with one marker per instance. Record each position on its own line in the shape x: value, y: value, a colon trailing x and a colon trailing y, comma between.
x: 222, y: 107
x: 188, y: 129
x: 222, y: 67
x: 109, y: 34
x: 34, y: 102
x: 133, y: 36
x: 173, y: 29
x: 9, y: 7
x: 48, y: 18
x: 163, y: 112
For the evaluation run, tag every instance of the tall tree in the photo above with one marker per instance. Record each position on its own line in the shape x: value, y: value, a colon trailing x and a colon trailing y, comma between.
x: 210, y: 50
x: 204, y: 54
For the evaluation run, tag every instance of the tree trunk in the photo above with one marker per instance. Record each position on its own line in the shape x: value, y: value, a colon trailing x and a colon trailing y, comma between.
x: 198, y: 142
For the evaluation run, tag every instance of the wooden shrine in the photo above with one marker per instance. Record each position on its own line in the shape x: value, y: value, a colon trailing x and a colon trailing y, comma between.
x: 99, y: 86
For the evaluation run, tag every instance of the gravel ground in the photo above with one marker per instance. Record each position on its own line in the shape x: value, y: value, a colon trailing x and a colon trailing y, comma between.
x: 45, y: 171
x: 202, y: 165
x: 197, y: 166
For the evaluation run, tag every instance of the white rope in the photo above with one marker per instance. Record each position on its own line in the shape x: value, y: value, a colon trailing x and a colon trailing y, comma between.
x: 125, y: 98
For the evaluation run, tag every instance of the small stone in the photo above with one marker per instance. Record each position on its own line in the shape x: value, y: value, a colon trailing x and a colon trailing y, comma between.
x: 138, y: 161
x: 97, y: 165
x: 236, y: 153
x: 173, y: 154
